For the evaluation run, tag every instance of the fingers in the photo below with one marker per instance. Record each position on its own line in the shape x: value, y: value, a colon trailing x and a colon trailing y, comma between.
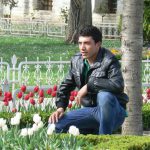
x: 61, y: 115
x: 55, y: 116
x: 78, y: 100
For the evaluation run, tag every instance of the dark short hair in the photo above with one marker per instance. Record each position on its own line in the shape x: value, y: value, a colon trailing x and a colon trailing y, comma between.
x: 92, y: 31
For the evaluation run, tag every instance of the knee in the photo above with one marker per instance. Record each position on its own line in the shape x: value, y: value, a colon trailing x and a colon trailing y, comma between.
x: 60, y: 128
x: 105, y: 98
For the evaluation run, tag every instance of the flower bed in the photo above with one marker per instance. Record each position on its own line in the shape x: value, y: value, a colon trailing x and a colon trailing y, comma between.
x: 36, y: 136
x: 118, y: 53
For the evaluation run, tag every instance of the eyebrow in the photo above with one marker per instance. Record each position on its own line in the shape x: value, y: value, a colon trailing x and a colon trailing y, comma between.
x: 83, y: 42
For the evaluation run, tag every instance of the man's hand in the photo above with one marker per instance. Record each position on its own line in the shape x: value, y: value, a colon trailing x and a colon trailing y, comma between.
x: 56, y: 115
x: 81, y: 93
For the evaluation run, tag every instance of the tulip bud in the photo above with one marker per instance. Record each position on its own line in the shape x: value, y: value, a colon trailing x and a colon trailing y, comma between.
x: 69, y: 105
x: 71, y: 98
x: 19, y: 95
x: 31, y: 94
x: 41, y: 93
x: 9, y: 94
x: 36, y: 89
x: 14, y: 110
x: 75, y: 93
x: 26, y: 97
x: 32, y: 101
x: 148, y: 91
x: 54, y: 94
x: 49, y: 91
x: 23, y: 88
x: 40, y: 100
x: 55, y: 87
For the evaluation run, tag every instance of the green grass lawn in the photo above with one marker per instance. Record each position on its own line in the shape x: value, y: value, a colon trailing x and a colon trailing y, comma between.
x: 42, y: 47
x: 33, y: 47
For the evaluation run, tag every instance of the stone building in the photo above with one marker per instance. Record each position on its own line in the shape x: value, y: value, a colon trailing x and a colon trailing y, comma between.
x: 51, y: 10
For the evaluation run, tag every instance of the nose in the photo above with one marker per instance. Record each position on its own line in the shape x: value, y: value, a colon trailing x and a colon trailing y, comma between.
x: 82, y: 46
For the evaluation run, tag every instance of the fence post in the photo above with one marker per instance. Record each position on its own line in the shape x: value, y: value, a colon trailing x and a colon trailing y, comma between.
x: 14, y: 61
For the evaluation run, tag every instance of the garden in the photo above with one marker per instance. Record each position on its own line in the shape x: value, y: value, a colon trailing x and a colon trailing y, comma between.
x: 24, y: 124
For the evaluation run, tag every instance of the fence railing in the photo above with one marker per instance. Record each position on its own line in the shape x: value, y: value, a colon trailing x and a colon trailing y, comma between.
x: 31, y: 28
x: 44, y: 73
x: 47, y: 28
x: 109, y: 30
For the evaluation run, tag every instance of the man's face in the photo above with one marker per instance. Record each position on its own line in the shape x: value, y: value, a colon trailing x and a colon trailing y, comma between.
x: 88, y: 47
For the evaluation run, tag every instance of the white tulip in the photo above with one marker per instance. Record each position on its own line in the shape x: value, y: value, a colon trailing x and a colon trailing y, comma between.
x: 30, y: 131
x: 15, y: 121
x: 36, y: 118
x: 18, y: 115
x: 2, y: 122
x: 40, y: 124
x: 24, y: 132
x: 5, y: 128
x: 35, y: 127
x: 51, y: 129
x: 74, y: 130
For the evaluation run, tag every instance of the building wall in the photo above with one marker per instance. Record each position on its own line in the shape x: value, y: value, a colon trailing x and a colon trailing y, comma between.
x: 28, y: 9
x: 1, y: 9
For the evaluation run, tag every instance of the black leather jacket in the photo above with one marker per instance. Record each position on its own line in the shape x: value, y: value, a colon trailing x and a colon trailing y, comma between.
x: 104, y: 75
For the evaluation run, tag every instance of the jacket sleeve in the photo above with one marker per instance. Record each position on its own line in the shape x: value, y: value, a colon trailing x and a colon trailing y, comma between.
x: 113, y: 82
x: 64, y: 90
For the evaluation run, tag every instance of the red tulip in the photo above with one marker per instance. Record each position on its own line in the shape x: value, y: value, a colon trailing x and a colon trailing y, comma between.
x: 148, y: 91
x: 9, y: 98
x: 8, y: 94
x: 49, y: 91
x: 31, y: 94
x: 19, y: 95
x: 14, y: 110
x: 36, y: 89
x: 55, y: 87
x: 54, y: 94
x: 32, y: 101
x: 5, y: 94
x: 70, y: 105
x: 40, y: 100
x: 6, y: 103
x: 26, y: 97
x: 41, y: 93
x: 5, y: 99
x: 72, y: 93
x: 75, y: 93
x: 0, y: 92
x: 23, y: 88
x: 71, y: 98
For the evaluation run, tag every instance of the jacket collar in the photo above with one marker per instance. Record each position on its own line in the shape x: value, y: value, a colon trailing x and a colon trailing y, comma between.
x: 98, y: 60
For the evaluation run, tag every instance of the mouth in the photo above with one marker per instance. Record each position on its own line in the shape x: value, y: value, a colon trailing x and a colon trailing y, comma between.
x: 84, y: 53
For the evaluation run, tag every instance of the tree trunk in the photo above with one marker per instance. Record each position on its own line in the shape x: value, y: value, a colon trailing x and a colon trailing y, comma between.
x: 79, y: 15
x: 132, y: 42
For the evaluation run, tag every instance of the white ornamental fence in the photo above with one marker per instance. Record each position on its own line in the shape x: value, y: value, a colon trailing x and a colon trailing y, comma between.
x: 43, y: 73
x: 48, y: 28
x: 32, y: 28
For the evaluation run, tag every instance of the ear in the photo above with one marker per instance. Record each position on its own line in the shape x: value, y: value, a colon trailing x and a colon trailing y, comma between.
x: 98, y: 44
